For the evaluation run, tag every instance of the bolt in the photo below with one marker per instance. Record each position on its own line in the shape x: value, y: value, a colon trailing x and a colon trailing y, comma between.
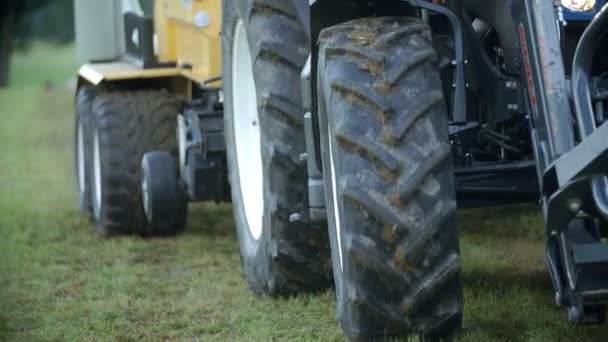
x: 575, y: 205
x: 511, y: 84
x: 254, y: 123
x: 303, y: 156
x: 295, y: 217
x: 574, y: 314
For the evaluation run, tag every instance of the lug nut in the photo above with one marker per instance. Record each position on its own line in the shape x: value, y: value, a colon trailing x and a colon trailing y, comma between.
x: 295, y: 217
x: 575, y: 205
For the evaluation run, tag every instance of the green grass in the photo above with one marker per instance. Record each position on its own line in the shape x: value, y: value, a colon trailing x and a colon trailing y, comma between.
x: 59, y: 281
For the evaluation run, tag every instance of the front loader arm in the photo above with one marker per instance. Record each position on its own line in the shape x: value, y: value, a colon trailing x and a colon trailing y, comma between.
x: 568, y: 161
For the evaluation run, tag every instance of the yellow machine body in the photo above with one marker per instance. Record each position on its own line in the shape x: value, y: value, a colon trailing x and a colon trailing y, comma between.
x: 187, y: 36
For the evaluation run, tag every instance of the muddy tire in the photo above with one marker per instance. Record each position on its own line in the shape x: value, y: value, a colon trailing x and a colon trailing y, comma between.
x: 83, y: 140
x: 127, y: 124
x: 265, y: 49
x: 389, y: 181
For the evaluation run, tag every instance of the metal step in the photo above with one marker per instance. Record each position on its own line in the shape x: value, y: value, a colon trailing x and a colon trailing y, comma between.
x: 590, y: 256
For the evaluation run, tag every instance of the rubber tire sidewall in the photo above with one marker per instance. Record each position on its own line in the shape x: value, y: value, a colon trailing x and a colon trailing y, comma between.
x: 84, y: 118
x: 329, y: 204
x: 255, y: 254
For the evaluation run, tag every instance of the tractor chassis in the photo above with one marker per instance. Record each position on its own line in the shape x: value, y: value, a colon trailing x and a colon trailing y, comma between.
x: 202, y: 148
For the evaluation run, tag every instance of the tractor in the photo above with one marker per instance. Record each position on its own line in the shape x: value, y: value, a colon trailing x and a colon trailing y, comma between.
x: 347, y: 134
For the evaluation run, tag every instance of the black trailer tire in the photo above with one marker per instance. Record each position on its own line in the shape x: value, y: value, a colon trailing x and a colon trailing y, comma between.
x: 127, y: 124
x: 389, y: 181
x: 159, y: 183
x: 83, y: 139
x: 160, y: 135
x: 287, y: 254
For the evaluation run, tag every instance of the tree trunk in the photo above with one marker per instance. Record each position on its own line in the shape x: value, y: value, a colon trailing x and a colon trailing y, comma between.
x: 7, y: 27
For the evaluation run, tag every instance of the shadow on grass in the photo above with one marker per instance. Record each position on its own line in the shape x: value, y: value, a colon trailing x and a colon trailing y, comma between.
x: 506, y: 305
x: 212, y: 220
x: 518, y: 221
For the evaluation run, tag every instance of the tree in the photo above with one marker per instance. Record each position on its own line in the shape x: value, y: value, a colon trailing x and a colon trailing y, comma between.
x: 22, y: 21
x: 8, y: 12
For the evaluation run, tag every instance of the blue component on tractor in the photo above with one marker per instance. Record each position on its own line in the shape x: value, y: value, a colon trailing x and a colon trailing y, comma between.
x: 587, y: 16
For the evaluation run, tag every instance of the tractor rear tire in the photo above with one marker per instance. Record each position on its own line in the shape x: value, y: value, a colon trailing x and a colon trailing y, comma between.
x: 127, y: 124
x: 389, y: 181
x: 265, y: 49
x: 83, y: 149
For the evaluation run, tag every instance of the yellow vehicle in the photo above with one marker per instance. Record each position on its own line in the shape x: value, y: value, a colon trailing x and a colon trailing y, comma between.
x: 153, y: 132
x: 140, y: 84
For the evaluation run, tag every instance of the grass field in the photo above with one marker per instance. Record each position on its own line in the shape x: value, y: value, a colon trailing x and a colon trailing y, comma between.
x: 61, y: 282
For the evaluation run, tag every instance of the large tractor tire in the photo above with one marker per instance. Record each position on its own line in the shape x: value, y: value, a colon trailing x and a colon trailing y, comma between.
x: 83, y: 149
x: 265, y: 49
x: 127, y: 124
x: 389, y: 181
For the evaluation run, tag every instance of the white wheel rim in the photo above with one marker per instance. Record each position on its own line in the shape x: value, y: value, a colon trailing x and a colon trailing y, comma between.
x: 334, y: 192
x: 144, y: 192
x: 247, y: 131
x: 80, y: 158
x: 97, y: 173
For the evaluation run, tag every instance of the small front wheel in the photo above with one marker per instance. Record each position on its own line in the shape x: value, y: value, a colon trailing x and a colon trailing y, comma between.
x: 159, y: 188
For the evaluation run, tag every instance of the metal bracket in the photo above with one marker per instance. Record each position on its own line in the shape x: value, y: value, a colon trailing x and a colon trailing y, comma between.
x: 459, y: 101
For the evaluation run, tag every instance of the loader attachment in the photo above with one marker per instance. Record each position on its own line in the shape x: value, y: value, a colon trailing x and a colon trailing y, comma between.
x: 571, y: 153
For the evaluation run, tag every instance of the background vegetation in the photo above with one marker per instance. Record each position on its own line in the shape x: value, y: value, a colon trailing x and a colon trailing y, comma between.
x: 22, y: 21
x: 61, y: 282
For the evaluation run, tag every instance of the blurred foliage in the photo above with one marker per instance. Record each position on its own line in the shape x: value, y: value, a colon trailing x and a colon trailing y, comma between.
x: 49, y: 20
x: 25, y: 21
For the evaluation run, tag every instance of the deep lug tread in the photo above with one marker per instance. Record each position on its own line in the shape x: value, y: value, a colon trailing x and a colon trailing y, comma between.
x: 290, y: 111
x: 411, y: 184
x: 359, y: 94
x: 285, y: 54
x: 429, y: 286
x: 363, y: 254
x: 292, y: 256
x: 397, y: 73
x: 398, y: 233
x: 371, y: 203
x: 131, y: 123
x: 379, y: 310
x: 370, y: 149
x: 433, y: 100
x: 434, y: 226
x: 280, y: 157
x: 365, y: 55
x: 386, y: 40
x: 271, y: 7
